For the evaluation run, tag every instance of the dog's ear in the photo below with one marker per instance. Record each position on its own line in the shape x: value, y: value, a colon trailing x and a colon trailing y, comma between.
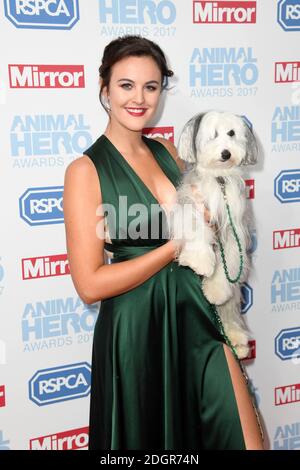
x: 187, y: 149
x: 251, y: 146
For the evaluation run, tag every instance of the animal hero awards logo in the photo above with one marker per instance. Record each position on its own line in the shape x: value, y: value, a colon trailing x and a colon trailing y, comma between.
x: 224, y: 12
x: 47, y: 140
x: 288, y: 15
x: 285, y: 290
x: 42, y: 14
x: 140, y: 17
x: 75, y: 439
x: 59, y: 384
x: 223, y: 72
x: 287, y: 437
x: 285, y: 129
x: 57, y: 323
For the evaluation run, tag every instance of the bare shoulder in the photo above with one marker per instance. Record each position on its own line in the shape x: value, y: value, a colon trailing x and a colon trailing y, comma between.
x: 81, y: 176
x: 173, y: 151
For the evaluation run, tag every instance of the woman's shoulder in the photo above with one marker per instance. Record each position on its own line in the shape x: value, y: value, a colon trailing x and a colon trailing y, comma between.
x: 173, y: 151
x: 81, y: 166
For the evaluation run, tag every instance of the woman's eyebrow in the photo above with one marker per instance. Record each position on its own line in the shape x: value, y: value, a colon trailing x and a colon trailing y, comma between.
x: 131, y: 81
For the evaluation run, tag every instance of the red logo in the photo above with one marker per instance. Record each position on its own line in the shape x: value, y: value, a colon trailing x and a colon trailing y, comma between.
x: 286, y: 239
x: 287, y: 394
x: 2, y: 396
x: 165, y: 132
x: 237, y: 12
x: 68, y: 440
x: 250, y: 189
x: 46, y: 76
x: 252, y: 350
x: 287, y: 72
x: 45, y: 266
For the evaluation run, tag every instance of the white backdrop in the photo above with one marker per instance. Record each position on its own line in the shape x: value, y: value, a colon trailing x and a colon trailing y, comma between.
x: 245, y: 59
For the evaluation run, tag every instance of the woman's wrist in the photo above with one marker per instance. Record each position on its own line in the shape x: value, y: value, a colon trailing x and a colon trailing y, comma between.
x: 176, y: 246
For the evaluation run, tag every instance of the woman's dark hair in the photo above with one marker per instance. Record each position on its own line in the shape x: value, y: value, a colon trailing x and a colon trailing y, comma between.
x: 127, y: 46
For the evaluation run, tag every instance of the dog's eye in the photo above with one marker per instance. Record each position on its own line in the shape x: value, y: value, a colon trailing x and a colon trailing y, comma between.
x: 231, y: 133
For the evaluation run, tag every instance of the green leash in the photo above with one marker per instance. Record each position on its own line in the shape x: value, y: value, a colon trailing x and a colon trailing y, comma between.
x: 221, y: 182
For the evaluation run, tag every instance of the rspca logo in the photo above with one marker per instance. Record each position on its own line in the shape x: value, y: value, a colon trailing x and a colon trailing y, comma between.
x: 247, y: 298
x: 42, y: 206
x: 287, y: 437
x: 42, y: 14
x: 288, y: 15
x: 221, y: 12
x: 60, y: 384
x: 287, y: 186
x: 287, y: 344
x: 285, y: 129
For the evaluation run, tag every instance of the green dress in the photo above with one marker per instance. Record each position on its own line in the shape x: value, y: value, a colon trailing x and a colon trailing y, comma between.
x: 160, y: 378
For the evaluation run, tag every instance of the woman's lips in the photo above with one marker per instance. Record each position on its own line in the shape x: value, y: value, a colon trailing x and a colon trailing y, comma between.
x: 137, y: 112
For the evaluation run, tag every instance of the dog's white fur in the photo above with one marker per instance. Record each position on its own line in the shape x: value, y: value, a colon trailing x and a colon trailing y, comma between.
x: 201, y: 143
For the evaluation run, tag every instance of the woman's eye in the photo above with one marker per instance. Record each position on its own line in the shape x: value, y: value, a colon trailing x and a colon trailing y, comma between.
x: 151, y: 88
x: 126, y: 86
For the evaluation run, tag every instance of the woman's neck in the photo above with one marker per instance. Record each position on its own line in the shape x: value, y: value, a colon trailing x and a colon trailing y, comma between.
x: 124, y: 139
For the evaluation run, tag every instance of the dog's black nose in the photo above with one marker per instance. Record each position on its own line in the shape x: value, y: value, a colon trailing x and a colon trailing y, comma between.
x: 225, y: 155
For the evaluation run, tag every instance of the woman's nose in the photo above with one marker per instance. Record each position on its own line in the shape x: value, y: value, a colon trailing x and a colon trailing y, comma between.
x: 139, y: 96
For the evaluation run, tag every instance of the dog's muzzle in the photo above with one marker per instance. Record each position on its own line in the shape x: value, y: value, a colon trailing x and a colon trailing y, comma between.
x: 225, y: 154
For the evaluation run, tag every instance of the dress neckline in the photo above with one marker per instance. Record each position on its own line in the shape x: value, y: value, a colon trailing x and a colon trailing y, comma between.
x: 133, y: 172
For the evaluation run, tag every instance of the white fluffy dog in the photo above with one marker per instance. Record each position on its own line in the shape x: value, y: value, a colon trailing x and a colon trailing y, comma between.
x: 217, y: 144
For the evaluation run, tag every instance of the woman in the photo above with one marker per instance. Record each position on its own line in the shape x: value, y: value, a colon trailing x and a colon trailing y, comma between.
x: 162, y: 375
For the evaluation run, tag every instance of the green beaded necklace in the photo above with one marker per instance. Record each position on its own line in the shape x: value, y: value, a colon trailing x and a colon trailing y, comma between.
x: 221, y: 182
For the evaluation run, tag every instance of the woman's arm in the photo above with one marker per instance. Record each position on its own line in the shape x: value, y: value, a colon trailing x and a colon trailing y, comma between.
x: 92, y: 278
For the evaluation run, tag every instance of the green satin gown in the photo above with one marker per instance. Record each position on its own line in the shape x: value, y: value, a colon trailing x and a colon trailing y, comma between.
x: 160, y: 379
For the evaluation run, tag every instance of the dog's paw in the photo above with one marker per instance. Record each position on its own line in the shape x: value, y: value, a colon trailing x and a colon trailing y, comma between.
x: 202, y: 263
x: 239, y: 340
x: 215, y: 292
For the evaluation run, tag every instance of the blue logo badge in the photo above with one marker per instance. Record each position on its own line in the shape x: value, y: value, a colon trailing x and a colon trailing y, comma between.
x: 289, y: 15
x: 60, y: 384
x: 42, y: 14
x: 287, y: 186
x: 42, y: 206
x: 247, y: 296
x: 287, y: 344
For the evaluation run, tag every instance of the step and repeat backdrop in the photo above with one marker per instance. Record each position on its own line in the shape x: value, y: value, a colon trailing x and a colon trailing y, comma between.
x: 242, y: 56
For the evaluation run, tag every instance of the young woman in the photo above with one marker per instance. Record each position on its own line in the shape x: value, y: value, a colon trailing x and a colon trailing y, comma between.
x: 162, y: 374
